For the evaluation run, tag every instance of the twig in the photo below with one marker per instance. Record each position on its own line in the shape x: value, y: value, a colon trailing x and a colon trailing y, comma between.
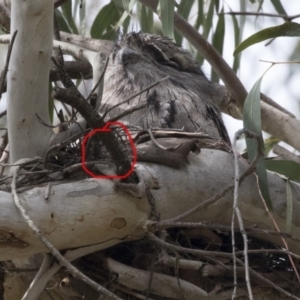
x: 137, y: 94
x: 207, y: 202
x: 72, y: 96
x: 254, y: 162
x: 225, y: 191
x: 237, y: 212
x: 76, y: 69
x: 286, y: 154
x: 170, y: 224
x: 278, y: 229
x: 280, y: 62
x: 260, y: 14
x: 159, y: 145
x: 23, y: 163
x: 131, y: 292
x: 221, y: 254
x: 159, y: 241
x: 61, y: 259
x: 33, y: 290
x: 39, y: 119
x: 128, y: 112
x: 270, y: 283
x: 99, y: 81
x: 5, y: 70
x: 275, y: 251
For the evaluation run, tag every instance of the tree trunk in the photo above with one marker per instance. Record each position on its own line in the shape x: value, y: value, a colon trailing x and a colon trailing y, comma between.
x: 28, y: 78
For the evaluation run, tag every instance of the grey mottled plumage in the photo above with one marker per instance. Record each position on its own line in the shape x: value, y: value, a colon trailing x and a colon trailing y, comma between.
x: 183, y: 100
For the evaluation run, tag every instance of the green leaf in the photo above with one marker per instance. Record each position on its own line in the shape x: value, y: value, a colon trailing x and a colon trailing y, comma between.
x: 67, y: 12
x: 289, y: 207
x: 252, y: 122
x: 101, y: 28
x: 288, y: 168
x: 119, y: 4
x: 126, y: 13
x: 126, y: 6
x: 287, y: 29
x: 236, y: 61
x: 208, y: 20
x: 166, y: 12
x: 200, y: 17
x: 62, y: 24
x: 218, y: 40
x: 184, y: 10
x: 270, y: 143
x: 278, y: 6
x: 145, y: 16
x: 217, y: 4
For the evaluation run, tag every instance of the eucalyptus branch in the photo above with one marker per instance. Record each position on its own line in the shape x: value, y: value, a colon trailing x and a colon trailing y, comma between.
x: 61, y: 259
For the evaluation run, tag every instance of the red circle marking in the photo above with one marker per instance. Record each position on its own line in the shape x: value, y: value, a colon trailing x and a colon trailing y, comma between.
x: 107, y: 128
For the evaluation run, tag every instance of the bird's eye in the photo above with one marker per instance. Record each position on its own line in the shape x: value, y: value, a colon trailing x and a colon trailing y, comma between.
x: 155, y: 53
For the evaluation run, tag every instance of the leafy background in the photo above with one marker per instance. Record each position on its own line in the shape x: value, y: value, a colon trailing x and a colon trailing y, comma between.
x: 96, y: 19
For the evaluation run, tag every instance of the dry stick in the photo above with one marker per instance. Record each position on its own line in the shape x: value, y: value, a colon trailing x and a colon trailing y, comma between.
x: 33, y: 290
x: 128, y: 112
x: 159, y: 226
x: 254, y: 162
x: 137, y: 94
x: 259, y: 14
x: 207, y: 202
x: 159, y: 241
x: 269, y: 282
x: 278, y: 229
x: 130, y: 292
x: 5, y: 70
x: 237, y: 212
x: 286, y: 154
x: 221, y: 254
x: 155, y: 142
x: 72, y: 97
x: 23, y: 163
x: 99, y: 81
x: 62, y: 260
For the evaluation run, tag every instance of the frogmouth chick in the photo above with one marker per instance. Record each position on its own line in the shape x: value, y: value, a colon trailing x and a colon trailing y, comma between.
x: 184, y: 100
